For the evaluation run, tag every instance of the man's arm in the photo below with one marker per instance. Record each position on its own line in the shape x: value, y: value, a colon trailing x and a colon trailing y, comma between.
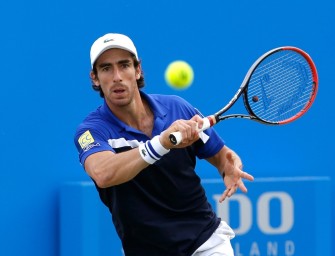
x: 107, y: 168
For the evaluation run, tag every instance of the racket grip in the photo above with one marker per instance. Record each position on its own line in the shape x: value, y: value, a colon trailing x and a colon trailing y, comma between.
x: 176, y: 137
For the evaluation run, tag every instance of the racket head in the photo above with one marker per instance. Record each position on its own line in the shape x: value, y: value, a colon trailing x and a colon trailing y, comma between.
x: 280, y: 86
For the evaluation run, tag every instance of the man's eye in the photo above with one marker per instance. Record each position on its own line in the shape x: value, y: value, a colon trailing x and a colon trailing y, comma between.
x: 105, y: 69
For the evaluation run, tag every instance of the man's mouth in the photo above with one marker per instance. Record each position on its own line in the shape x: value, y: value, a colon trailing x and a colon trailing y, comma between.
x: 118, y: 91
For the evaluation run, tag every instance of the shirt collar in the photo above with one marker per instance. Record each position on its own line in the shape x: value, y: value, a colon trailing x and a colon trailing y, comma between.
x: 156, y: 107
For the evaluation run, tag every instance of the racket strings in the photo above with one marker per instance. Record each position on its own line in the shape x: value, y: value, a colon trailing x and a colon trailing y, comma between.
x: 282, y: 84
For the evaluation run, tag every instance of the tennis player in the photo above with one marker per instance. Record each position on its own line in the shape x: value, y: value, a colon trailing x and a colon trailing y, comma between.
x: 156, y: 199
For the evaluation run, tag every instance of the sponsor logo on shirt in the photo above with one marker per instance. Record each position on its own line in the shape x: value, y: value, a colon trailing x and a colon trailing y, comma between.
x: 85, y: 139
x: 88, y: 147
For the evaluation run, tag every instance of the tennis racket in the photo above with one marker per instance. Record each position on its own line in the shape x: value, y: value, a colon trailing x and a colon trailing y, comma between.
x: 279, y: 88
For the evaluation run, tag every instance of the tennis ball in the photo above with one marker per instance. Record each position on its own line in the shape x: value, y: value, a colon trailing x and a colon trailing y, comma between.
x: 179, y: 74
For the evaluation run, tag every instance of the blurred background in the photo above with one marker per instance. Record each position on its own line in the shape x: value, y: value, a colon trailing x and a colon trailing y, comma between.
x: 47, y: 92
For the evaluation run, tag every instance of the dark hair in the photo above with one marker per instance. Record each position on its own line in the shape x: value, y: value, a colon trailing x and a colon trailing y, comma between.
x: 140, y: 81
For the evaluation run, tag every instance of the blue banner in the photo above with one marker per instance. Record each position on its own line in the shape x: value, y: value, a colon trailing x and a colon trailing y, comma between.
x: 277, y: 217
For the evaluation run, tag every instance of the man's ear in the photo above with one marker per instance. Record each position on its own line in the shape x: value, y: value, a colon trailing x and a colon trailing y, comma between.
x: 138, y: 72
x: 94, y: 79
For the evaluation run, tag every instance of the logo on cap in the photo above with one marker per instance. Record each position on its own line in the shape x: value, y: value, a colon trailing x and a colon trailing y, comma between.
x: 108, y: 40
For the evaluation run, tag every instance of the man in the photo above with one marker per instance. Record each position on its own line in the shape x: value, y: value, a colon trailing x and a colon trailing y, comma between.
x: 157, y: 203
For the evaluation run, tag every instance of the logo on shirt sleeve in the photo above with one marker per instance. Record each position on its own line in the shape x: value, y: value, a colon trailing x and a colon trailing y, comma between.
x: 85, y: 139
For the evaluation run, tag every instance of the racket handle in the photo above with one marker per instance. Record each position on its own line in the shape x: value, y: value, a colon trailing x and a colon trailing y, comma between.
x: 176, y: 137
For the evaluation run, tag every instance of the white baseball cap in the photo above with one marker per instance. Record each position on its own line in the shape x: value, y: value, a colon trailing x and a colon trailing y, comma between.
x: 110, y: 41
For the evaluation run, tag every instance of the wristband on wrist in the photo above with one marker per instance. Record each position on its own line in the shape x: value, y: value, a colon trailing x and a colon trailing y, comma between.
x: 152, y: 150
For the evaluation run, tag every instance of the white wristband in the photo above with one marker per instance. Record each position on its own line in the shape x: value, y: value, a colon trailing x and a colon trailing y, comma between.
x: 158, y: 147
x: 152, y: 150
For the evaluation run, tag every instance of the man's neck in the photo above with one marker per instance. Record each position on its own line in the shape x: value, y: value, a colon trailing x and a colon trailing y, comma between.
x: 137, y: 114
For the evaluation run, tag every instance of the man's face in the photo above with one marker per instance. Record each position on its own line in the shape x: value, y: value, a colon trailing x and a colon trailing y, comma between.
x: 117, y: 76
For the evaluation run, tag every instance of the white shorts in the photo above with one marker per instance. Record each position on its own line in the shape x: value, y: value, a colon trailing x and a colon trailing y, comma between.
x: 219, y: 243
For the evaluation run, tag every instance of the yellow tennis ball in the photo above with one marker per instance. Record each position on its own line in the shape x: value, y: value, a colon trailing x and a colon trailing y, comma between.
x: 179, y: 74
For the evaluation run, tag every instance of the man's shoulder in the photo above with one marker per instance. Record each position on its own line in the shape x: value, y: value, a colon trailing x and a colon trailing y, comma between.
x: 94, y: 119
x: 168, y: 98
x: 93, y: 116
